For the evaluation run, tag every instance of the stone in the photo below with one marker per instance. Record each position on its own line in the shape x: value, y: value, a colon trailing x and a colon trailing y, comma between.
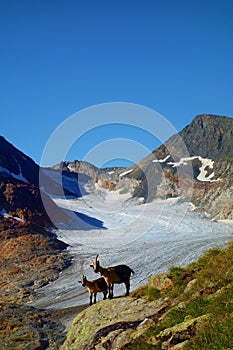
x: 160, y: 282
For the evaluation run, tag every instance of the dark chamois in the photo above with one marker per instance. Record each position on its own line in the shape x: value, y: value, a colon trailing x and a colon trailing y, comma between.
x: 94, y: 287
x: 114, y: 274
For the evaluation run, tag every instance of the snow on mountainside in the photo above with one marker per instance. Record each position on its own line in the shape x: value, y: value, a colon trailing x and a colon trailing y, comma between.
x: 20, y: 196
x: 14, y: 163
x: 205, y: 163
x: 196, y: 164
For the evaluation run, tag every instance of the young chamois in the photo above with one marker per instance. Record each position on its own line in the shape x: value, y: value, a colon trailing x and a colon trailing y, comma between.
x: 113, y: 274
x: 94, y: 287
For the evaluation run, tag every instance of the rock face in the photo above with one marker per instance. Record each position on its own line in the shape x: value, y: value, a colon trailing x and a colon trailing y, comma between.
x: 19, y: 188
x: 23, y: 200
x: 108, y: 178
x: 22, y: 327
x: 30, y: 258
x: 196, y: 164
x: 112, y: 324
x: 30, y: 255
x: 15, y: 164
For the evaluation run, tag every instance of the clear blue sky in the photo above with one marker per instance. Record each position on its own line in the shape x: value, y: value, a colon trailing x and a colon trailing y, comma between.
x: 58, y: 57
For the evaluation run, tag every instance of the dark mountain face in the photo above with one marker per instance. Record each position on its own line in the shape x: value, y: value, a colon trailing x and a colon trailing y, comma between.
x: 208, y: 136
x: 19, y: 188
x: 15, y: 164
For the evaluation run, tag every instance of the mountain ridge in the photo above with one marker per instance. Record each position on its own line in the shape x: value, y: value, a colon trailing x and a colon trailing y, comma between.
x: 204, y: 146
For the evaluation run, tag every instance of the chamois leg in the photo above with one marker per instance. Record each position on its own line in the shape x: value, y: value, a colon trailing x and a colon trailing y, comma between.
x: 95, y: 298
x: 110, y: 291
x: 105, y: 294
x: 90, y: 299
x: 127, y: 284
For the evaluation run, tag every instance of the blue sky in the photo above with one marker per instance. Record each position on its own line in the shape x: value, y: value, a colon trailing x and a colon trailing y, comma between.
x: 58, y: 57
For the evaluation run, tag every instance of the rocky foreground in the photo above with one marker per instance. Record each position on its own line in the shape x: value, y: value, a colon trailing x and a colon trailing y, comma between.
x: 30, y: 258
x: 189, y: 308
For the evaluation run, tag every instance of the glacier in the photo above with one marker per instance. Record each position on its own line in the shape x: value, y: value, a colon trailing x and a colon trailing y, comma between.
x: 150, y: 238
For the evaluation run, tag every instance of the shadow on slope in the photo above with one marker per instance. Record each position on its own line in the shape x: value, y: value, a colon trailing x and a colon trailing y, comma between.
x: 80, y: 221
x: 66, y: 184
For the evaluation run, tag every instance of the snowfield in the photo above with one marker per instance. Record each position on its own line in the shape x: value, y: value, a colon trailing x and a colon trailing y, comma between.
x: 150, y: 238
x: 206, y: 163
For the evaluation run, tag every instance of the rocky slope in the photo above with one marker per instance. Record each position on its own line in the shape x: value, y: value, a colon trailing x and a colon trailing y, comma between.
x: 189, y: 308
x: 15, y: 164
x: 20, y: 195
x: 23, y: 200
x: 196, y: 164
x: 85, y: 172
x: 30, y: 255
x: 30, y: 258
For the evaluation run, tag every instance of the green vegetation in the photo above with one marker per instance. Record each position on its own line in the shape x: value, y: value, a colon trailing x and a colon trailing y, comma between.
x: 200, y: 313
x: 149, y: 293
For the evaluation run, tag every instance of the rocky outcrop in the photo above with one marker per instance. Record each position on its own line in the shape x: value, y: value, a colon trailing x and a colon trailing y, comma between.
x: 111, y: 324
x: 30, y: 258
x: 177, y: 337
x: 15, y: 164
x: 23, y: 327
x: 23, y: 200
x: 196, y: 164
x: 185, y: 309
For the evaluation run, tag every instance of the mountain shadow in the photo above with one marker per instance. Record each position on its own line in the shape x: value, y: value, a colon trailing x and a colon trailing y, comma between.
x: 81, y: 222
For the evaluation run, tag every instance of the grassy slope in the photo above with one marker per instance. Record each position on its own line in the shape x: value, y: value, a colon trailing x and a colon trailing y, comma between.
x: 203, y: 288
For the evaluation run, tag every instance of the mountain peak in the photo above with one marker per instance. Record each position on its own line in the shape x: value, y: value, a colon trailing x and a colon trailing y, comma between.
x: 205, y: 119
x: 209, y: 136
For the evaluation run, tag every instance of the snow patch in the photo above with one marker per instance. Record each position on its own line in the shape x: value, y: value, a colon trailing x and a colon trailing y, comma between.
x: 161, y: 160
x: 206, y: 163
x: 19, y: 176
x: 4, y: 213
x: 71, y: 167
x: 126, y: 172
